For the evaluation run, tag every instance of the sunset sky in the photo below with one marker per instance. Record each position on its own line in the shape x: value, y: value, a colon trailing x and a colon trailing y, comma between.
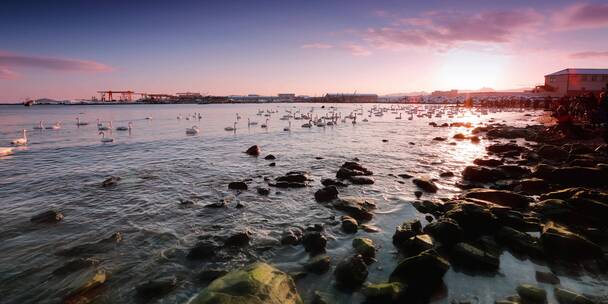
x: 71, y: 49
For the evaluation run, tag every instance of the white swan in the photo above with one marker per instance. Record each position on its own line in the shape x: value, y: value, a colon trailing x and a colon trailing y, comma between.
x: 288, y: 129
x: 56, y: 126
x: 40, y: 126
x: 104, y: 139
x: 20, y: 141
x: 6, y: 151
x: 127, y: 128
x: 265, y: 125
x: 233, y: 128
x: 80, y: 123
x: 192, y: 131
x: 251, y: 123
x: 149, y: 118
x: 307, y: 125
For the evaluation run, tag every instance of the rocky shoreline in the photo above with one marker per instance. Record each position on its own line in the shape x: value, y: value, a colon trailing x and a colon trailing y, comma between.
x: 544, y: 199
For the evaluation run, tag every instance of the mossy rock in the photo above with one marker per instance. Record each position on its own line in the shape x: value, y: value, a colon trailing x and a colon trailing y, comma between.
x: 259, y: 283
x: 365, y: 247
x: 387, y: 291
x: 532, y: 293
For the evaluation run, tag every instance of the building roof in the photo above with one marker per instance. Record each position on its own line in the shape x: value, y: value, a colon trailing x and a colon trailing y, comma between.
x: 580, y: 71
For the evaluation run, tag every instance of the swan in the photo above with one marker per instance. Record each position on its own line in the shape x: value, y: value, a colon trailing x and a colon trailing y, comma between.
x: 233, y: 128
x: 20, y: 141
x: 365, y: 120
x: 149, y: 118
x: 251, y: 123
x: 6, y: 151
x: 398, y: 117
x: 101, y: 127
x: 56, y: 126
x: 192, y: 131
x: 104, y: 139
x: 288, y: 129
x: 238, y: 117
x: 80, y: 123
x: 307, y: 125
x: 40, y: 126
x: 265, y: 125
x: 127, y: 128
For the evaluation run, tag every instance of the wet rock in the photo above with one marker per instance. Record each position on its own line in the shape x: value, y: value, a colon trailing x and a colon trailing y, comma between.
x: 332, y: 182
x: 292, y: 236
x: 546, y: 277
x: 270, y: 157
x: 365, y: 247
x: 519, y: 242
x: 418, y: 193
x: 439, y: 138
x: 86, y: 287
x: 361, y: 180
x: 350, y: 169
x: 238, y: 239
x: 220, y: 204
x: 370, y: 228
x: 444, y: 230
x: 425, y: 184
x: 505, y: 148
x: 532, y: 294
x: 210, y: 274
x: 314, y: 242
x: 385, y: 140
x: 473, y: 219
x: 349, y: 224
x: 258, y: 283
x: 514, y: 171
x: 202, y: 250
x: 88, y: 249
x: 427, y: 206
x: 491, y: 162
x: 358, y: 208
x: 75, y: 265
x: 321, y: 298
x: 429, y: 218
x: 516, y: 220
x: 564, y: 296
x: 47, y: 217
x: 446, y: 174
x: 558, y: 241
x: 156, y: 288
x: 293, y: 177
x: 482, y: 174
x: 422, y: 274
x: 326, y: 194
x: 273, y: 164
x: 405, y: 175
x: 459, y: 136
x: 499, y: 197
x: 383, y: 292
x: 474, y: 139
x: 578, y: 176
x: 237, y: 186
x: 319, y: 264
x: 532, y: 186
x: 405, y: 231
x: 562, y: 194
x: 351, y: 272
x: 473, y: 257
x: 553, y: 153
x: 110, y: 181
x: 253, y: 150
x: 263, y: 191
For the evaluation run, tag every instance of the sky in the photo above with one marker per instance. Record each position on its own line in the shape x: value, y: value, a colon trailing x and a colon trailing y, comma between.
x: 72, y: 49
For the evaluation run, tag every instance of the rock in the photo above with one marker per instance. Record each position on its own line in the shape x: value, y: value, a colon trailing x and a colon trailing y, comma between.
x: 319, y: 264
x: 482, y: 174
x: 417, y: 244
x: 472, y: 257
x: 473, y: 219
x: 237, y: 186
x: 425, y: 184
x: 405, y: 231
x: 259, y: 283
x: 208, y: 275
x: 156, y: 288
x: 292, y: 236
x: 358, y: 208
x: 519, y: 242
x: 370, y: 228
x: 253, y: 150
x: 422, y: 274
x: 404, y: 175
x: 110, y: 181
x: 459, y: 136
x: 350, y: 169
x: 444, y: 230
x: 238, y: 239
x: 546, y: 277
x: 89, y: 249
x: 578, y: 176
x: 492, y: 162
x: 326, y: 194
x: 446, y: 174
x: 514, y: 171
x: 553, y: 153
x: 270, y: 157
x: 320, y: 298
x: 383, y: 292
x: 504, y: 148
x: 439, y: 138
x: 475, y: 139
x: 499, y: 197
x: 332, y: 182
x: 273, y: 164
x: 314, y: 242
x: 47, y: 217
x: 202, y: 250
x: 532, y: 186
x: 293, y: 177
x: 559, y: 241
x: 427, y: 206
x: 351, y: 272
x: 418, y: 193
x: 349, y: 224
x: 365, y: 247
x: 561, y: 194
x: 86, y: 287
x: 361, y: 180
x: 532, y: 294
x: 220, y: 204
x: 75, y: 265
x: 564, y: 296
x: 263, y: 191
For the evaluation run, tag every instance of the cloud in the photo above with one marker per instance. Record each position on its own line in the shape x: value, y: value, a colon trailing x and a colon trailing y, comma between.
x: 356, y: 50
x: 317, y: 46
x: 56, y: 64
x: 447, y: 28
x: 8, y: 74
x: 585, y: 55
x: 582, y: 16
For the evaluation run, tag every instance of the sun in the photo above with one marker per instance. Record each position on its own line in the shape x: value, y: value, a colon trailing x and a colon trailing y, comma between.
x: 466, y: 70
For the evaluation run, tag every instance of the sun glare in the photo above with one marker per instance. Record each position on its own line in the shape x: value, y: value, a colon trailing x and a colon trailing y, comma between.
x: 465, y: 70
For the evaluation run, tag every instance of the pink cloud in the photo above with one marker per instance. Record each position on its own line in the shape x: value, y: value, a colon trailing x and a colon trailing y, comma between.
x: 356, y: 50
x: 582, y: 16
x: 441, y: 29
x: 57, y: 64
x: 7, y: 74
x: 317, y: 46
x: 585, y: 55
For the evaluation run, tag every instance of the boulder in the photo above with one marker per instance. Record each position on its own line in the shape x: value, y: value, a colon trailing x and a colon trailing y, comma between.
x: 253, y: 150
x: 237, y: 186
x: 417, y: 244
x: 532, y: 294
x: 351, y: 272
x: 332, y: 182
x: 426, y: 206
x: 561, y: 194
x: 491, y: 162
x: 47, y: 217
x: 202, y: 250
x: 446, y: 174
x: 358, y: 208
x: 422, y: 274
x: 259, y: 283
x: 578, y: 176
x: 326, y: 194
x: 238, y: 239
x: 564, y: 296
x: 519, y: 242
x: 482, y: 174
x: 155, y: 288
x: 473, y: 257
x: 499, y: 197
x: 504, y: 148
x: 553, y: 153
x: 445, y: 230
x: 405, y: 231
x: 85, y: 287
x: 319, y: 264
x: 473, y: 219
x: 349, y: 224
x: 314, y: 242
x: 291, y: 236
x: 383, y: 292
x: 532, y: 186
x: 263, y: 191
x: 558, y: 241
x: 270, y: 157
x: 293, y: 177
x: 361, y: 180
x: 425, y: 184
x: 110, y: 181
x: 365, y: 247
x: 514, y: 171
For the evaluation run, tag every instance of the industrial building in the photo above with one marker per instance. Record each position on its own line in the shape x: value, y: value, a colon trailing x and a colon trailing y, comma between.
x: 571, y: 82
